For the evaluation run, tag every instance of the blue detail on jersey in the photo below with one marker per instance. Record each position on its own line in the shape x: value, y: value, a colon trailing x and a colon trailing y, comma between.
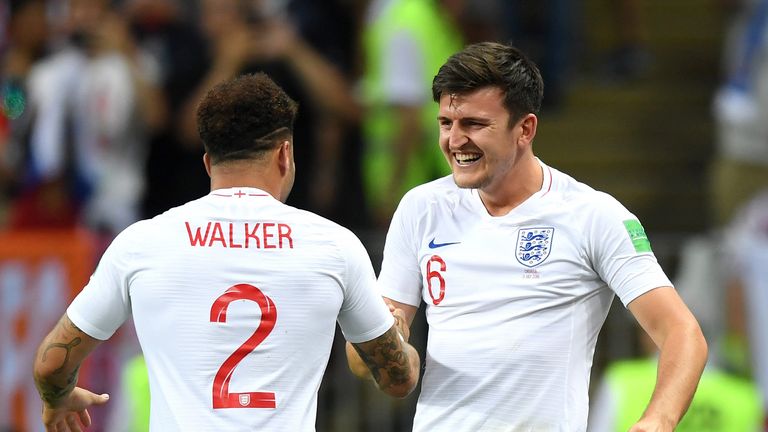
x: 433, y: 245
x: 534, y: 245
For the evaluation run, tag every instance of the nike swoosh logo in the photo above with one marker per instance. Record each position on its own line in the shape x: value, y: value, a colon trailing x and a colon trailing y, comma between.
x: 433, y: 245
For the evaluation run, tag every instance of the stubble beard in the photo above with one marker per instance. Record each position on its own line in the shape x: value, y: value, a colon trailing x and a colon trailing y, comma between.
x: 469, y: 184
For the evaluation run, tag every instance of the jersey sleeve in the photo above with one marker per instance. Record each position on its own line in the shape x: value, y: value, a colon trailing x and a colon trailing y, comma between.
x: 400, y: 276
x: 364, y: 315
x: 104, y: 303
x: 621, y: 253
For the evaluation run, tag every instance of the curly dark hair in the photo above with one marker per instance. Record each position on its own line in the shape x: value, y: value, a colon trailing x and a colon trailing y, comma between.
x: 244, y: 117
x: 492, y: 64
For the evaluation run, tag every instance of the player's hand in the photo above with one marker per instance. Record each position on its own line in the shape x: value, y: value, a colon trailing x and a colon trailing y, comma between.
x: 71, y: 414
x: 400, y: 322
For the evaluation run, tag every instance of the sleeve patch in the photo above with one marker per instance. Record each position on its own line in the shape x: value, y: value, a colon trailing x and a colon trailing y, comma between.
x: 637, y: 235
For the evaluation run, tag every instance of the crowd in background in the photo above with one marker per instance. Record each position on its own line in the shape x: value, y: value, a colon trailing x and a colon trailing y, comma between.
x: 98, y: 127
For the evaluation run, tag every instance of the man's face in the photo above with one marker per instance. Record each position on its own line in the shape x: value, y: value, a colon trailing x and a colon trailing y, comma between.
x: 476, y: 137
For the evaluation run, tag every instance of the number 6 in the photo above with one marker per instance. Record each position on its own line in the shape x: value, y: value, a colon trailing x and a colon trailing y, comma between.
x: 435, y: 274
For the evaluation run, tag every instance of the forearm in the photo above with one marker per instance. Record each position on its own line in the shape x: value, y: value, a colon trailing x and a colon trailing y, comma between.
x: 55, y: 372
x: 681, y: 362
x: 327, y: 85
x: 356, y: 363
x: 392, y: 363
x: 58, y: 361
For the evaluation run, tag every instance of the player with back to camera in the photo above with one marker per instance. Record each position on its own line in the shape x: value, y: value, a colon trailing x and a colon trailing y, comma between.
x: 518, y: 264
x: 235, y: 296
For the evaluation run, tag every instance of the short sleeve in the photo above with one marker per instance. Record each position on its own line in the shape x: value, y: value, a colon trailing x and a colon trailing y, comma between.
x: 400, y: 276
x: 104, y: 304
x: 364, y: 315
x: 621, y: 253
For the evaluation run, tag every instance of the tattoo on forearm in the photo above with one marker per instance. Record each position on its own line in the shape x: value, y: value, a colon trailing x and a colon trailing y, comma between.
x: 372, y: 366
x: 385, y: 356
x: 68, y: 347
x: 51, y: 393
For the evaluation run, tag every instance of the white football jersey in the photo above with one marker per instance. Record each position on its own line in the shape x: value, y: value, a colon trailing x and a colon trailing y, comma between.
x: 514, y: 303
x: 235, y: 298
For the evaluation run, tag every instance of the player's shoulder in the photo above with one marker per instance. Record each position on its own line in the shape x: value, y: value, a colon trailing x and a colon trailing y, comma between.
x: 575, y: 193
x: 441, y: 189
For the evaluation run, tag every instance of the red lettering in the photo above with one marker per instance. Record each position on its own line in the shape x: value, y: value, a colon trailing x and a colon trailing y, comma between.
x: 268, y: 235
x: 232, y: 243
x: 252, y: 235
x: 217, y: 235
x: 197, y: 240
x: 284, y: 231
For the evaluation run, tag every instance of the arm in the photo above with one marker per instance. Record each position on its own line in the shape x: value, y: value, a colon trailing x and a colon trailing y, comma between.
x: 393, y: 364
x: 56, y: 366
x: 367, y: 359
x: 683, y: 354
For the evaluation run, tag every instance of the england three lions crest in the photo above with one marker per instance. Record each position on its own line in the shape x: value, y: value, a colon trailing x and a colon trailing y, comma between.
x: 534, y: 245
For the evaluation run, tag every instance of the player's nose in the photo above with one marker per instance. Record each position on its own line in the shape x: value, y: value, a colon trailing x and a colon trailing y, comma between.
x: 456, y: 137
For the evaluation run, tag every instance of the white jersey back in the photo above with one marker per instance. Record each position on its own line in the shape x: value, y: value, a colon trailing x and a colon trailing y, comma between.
x: 235, y: 299
x: 514, y: 303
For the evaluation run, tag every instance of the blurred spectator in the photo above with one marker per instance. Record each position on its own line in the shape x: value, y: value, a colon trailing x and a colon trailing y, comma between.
x: 629, y: 58
x: 248, y: 36
x: 26, y: 44
x: 404, y: 44
x: 723, y: 402
x: 746, y: 256
x: 544, y: 30
x: 89, y: 106
x: 174, y: 173
x: 740, y: 167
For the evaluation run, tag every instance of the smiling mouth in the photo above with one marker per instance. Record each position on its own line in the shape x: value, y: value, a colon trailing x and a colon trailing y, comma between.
x: 465, y: 159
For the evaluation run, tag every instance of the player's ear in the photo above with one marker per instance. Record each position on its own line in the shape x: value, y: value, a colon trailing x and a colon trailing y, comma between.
x: 207, y: 163
x: 285, y: 157
x: 527, y: 126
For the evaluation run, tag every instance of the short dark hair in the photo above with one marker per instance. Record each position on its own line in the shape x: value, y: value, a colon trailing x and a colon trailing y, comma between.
x: 242, y: 118
x: 492, y: 64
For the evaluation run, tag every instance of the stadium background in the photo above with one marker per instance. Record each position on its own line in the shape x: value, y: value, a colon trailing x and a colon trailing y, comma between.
x: 647, y: 140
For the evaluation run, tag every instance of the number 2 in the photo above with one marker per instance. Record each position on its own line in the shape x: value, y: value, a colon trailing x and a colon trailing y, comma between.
x: 222, y: 398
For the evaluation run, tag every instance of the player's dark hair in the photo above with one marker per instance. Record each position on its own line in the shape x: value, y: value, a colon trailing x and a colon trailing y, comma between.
x: 244, y: 117
x: 491, y: 64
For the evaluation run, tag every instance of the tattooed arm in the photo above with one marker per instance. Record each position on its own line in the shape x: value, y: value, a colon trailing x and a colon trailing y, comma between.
x: 57, y: 363
x: 388, y: 360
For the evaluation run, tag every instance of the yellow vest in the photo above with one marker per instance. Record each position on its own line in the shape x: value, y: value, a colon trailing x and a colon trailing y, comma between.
x: 437, y: 40
x: 722, y: 403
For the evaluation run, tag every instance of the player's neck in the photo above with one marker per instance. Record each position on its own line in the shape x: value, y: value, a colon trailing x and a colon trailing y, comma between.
x: 522, y: 181
x: 246, y: 176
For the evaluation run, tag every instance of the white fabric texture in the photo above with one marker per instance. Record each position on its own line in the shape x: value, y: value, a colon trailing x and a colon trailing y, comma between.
x: 170, y: 272
x: 512, y: 336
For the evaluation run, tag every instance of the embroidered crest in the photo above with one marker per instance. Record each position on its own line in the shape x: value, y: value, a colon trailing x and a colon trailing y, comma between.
x: 534, y: 245
x: 245, y: 399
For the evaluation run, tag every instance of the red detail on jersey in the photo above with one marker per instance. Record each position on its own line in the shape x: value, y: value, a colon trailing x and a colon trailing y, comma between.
x: 197, y: 240
x: 239, y: 194
x: 232, y: 243
x: 267, y: 235
x: 284, y: 232
x: 435, y: 274
x: 549, y: 171
x: 217, y: 235
x: 222, y: 398
x: 252, y: 235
